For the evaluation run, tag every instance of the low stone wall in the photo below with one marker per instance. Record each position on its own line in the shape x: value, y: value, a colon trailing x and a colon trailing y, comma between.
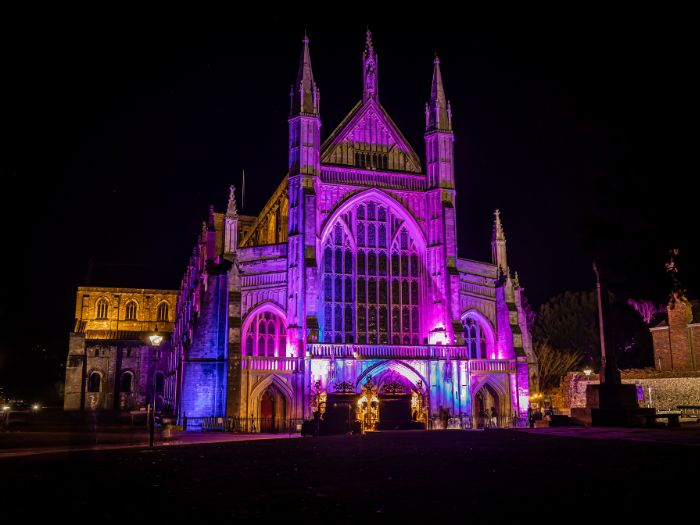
x: 663, y: 391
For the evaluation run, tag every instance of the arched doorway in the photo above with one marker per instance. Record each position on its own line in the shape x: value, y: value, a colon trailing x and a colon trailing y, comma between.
x: 487, y: 410
x: 273, y: 409
x: 399, y: 404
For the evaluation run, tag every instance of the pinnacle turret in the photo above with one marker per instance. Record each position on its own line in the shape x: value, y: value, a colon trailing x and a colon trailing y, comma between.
x: 498, y: 233
x: 305, y: 96
x: 232, y: 209
x: 370, y: 61
x: 498, y: 244
x: 438, y: 113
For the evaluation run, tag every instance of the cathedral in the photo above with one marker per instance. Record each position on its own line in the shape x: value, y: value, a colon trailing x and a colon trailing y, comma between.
x: 345, y: 291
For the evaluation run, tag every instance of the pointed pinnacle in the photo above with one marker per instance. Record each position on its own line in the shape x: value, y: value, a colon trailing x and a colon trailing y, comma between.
x: 232, y: 210
x: 368, y: 43
x: 498, y: 233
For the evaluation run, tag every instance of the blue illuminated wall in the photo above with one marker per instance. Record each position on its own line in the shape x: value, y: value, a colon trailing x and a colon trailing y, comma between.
x: 205, y: 361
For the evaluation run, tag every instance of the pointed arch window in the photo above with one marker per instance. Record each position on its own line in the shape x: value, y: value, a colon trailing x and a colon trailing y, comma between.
x: 266, y: 335
x: 102, y: 308
x: 131, y: 310
x: 476, y: 337
x: 163, y: 311
x: 377, y: 289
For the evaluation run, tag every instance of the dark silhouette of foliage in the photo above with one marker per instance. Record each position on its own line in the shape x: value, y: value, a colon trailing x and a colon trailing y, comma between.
x: 569, y: 323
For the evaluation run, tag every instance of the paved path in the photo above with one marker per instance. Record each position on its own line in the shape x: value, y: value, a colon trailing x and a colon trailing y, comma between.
x: 189, y: 438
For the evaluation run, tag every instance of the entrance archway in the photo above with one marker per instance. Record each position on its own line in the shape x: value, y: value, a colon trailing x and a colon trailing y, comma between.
x: 273, y: 411
x: 399, y: 402
x: 487, y: 409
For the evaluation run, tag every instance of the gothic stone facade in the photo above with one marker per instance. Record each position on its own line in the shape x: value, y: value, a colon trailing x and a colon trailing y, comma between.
x: 351, y: 271
x: 111, y: 364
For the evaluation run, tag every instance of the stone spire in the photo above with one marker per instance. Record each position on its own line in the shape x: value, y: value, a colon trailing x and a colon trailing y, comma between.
x: 232, y: 210
x: 305, y: 96
x: 370, y: 61
x: 498, y: 244
x: 438, y: 113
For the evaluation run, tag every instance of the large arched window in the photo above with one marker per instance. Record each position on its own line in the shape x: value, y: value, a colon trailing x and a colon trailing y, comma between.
x: 102, y: 308
x: 265, y: 335
x: 371, y: 284
x: 477, y: 337
x: 94, y: 382
x: 162, y: 311
x: 127, y: 382
x: 131, y: 308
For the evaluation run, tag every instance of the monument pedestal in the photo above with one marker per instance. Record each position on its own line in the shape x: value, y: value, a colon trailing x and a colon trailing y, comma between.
x: 611, y: 405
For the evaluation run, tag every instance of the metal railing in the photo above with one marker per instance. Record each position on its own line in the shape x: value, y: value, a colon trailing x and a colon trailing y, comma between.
x: 478, y: 422
x: 250, y: 425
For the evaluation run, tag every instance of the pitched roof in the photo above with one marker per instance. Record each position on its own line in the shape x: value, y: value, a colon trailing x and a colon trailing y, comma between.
x: 353, y: 121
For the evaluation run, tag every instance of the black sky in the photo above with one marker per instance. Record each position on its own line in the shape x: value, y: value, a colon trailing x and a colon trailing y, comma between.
x: 118, y: 133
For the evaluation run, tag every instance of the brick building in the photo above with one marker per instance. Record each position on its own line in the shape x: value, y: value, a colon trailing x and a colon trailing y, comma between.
x: 677, y: 338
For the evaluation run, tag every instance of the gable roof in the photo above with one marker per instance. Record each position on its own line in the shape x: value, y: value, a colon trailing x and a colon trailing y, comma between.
x: 353, y: 123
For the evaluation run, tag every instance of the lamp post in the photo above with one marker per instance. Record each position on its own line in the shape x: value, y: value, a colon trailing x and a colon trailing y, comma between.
x: 155, y: 340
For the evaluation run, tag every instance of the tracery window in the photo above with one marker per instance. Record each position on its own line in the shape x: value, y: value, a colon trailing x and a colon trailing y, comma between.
x: 338, y: 315
x: 131, y: 308
x: 386, y: 276
x: 475, y: 337
x: 102, y: 308
x: 266, y: 335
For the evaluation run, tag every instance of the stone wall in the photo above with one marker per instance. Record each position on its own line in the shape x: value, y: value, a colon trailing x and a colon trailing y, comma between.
x: 663, y: 391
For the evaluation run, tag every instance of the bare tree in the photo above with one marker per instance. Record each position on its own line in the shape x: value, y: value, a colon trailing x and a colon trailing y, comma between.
x: 554, y: 364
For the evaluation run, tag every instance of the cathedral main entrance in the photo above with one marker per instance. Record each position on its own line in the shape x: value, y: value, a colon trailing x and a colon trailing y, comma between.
x: 392, y: 403
x: 487, y: 409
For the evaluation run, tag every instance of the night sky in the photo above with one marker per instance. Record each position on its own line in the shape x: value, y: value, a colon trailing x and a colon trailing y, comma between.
x: 117, y: 134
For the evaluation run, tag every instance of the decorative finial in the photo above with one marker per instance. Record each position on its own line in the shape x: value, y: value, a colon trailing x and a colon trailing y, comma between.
x: 498, y: 234
x: 306, y: 37
x: 370, y: 89
x: 232, y: 210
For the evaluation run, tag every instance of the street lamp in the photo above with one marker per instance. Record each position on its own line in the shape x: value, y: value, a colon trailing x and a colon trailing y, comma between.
x: 155, y: 340
x: 588, y: 372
